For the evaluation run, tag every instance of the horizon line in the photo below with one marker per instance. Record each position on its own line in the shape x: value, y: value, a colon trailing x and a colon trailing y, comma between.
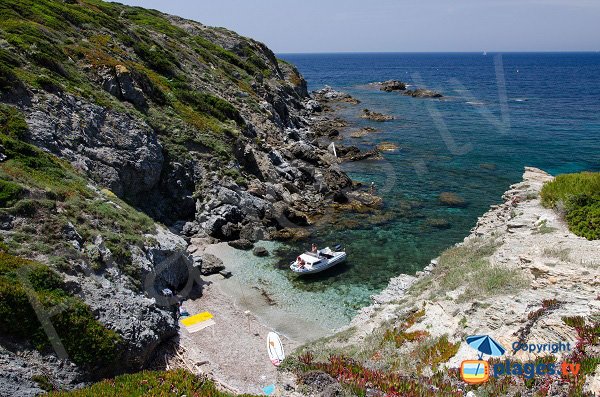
x: 439, y: 52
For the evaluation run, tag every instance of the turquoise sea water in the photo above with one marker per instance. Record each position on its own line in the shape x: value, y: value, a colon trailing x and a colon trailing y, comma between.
x: 499, y: 114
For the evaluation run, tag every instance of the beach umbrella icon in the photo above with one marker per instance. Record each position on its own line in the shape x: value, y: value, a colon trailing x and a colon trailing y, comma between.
x: 485, y: 345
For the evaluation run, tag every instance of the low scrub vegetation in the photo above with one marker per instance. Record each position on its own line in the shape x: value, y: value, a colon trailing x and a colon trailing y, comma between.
x: 151, y: 383
x: 360, y: 377
x: 399, y: 335
x: 58, y: 46
x: 578, y: 197
x: 53, y: 199
x: 467, y: 266
x: 27, y: 284
x: 360, y: 380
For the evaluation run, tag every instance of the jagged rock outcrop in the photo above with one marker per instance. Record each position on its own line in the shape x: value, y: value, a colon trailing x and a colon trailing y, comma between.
x: 116, y: 149
x: 328, y: 94
x: 151, y: 137
x: 375, y: 116
x: 392, y: 85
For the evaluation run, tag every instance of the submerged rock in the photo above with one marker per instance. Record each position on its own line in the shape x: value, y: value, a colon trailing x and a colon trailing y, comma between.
x: 452, y: 199
x: 362, y: 132
x: 387, y: 147
x: 373, y: 154
x: 260, y: 251
x: 423, y: 93
x: 374, y: 116
x: 438, y: 223
x: 295, y: 233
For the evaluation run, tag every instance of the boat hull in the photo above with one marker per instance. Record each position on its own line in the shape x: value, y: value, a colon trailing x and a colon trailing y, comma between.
x: 338, y: 258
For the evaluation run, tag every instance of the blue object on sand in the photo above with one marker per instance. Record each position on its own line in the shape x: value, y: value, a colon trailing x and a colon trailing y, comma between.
x: 268, y: 390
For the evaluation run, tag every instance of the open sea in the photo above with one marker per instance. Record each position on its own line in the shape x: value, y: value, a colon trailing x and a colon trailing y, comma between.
x: 500, y: 112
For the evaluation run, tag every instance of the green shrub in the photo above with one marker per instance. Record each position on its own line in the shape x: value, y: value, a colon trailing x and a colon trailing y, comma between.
x: 256, y: 61
x: 8, y: 79
x: 156, y: 58
x: 155, y: 20
x: 86, y: 341
x: 436, y: 351
x: 208, y: 49
x: 12, y: 122
x: 209, y: 104
x: 10, y: 193
x: 44, y: 165
x: 583, y: 215
x: 31, y: 169
x: 43, y: 382
x: 150, y: 383
x: 48, y: 84
x: 567, y: 185
x: 579, y: 196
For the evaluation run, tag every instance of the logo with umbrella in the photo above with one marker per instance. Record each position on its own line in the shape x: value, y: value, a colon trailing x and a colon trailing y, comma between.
x: 478, y: 371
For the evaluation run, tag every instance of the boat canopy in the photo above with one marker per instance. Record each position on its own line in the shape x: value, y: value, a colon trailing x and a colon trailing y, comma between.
x: 309, y: 258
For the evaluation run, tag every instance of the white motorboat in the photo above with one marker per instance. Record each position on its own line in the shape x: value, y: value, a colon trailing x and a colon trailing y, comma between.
x: 315, y: 262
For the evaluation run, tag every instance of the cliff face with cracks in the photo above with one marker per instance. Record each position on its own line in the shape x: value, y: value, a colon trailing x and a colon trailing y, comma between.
x: 108, y: 110
x: 169, y: 114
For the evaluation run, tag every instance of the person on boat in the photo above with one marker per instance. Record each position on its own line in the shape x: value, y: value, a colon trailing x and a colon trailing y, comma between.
x: 314, y: 249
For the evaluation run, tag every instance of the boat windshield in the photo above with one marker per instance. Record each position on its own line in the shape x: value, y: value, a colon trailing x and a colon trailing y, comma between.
x: 310, y: 258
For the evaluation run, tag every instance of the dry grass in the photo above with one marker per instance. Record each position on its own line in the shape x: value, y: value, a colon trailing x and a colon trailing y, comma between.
x: 561, y: 254
x: 467, y: 265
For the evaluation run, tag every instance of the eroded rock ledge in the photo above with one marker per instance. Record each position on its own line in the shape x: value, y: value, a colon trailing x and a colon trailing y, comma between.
x: 535, y: 273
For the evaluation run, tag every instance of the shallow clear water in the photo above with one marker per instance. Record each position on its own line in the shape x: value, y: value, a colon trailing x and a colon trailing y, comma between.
x: 475, y: 143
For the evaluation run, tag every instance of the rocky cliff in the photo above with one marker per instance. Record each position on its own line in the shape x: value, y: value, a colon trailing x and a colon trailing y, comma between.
x: 169, y: 114
x: 113, y: 118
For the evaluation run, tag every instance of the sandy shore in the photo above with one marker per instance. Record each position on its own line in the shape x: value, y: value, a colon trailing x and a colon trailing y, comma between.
x: 233, y: 351
x: 246, y: 307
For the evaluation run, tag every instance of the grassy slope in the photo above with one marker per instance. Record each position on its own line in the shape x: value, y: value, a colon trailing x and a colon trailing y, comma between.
x: 22, y: 282
x: 43, y: 195
x: 61, y: 46
x: 150, y: 383
x: 49, y: 195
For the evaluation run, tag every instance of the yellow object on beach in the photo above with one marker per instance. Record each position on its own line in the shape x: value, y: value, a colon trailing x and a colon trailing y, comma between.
x: 197, y: 318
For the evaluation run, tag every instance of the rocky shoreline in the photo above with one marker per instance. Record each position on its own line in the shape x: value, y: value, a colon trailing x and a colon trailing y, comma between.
x: 222, y: 143
x: 553, y: 275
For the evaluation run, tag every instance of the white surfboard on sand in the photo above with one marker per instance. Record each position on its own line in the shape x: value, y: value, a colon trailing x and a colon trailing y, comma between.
x: 275, y: 348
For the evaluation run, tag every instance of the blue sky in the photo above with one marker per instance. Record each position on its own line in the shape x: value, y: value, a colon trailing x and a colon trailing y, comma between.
x: 400, y: 25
